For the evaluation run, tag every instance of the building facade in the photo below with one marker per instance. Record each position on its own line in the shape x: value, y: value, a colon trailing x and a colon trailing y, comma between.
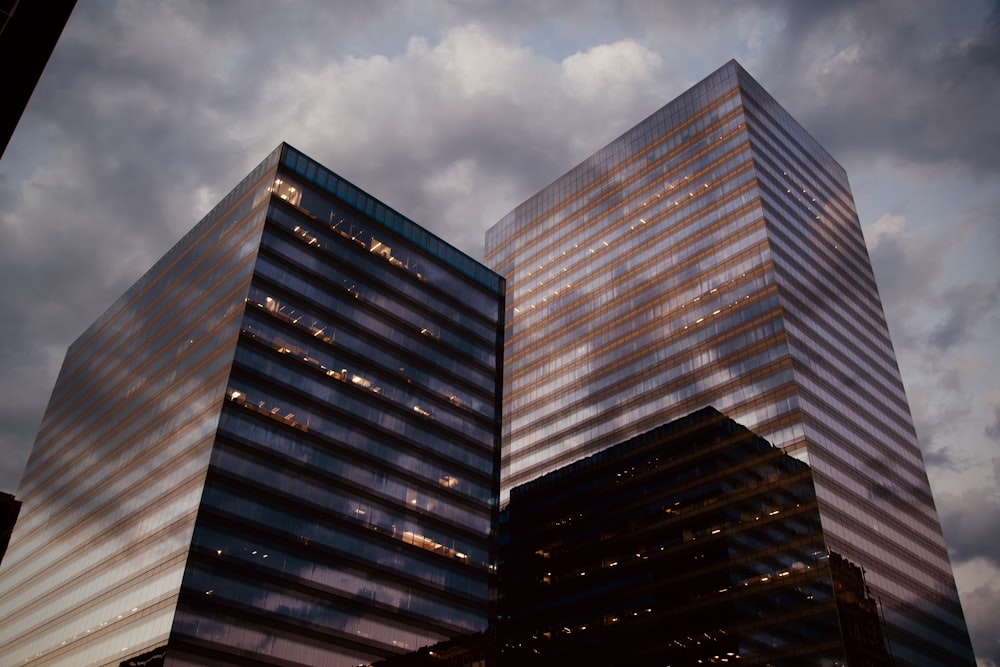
x: 280, y: 447
x: 694, y: 543
x: 712, y: 255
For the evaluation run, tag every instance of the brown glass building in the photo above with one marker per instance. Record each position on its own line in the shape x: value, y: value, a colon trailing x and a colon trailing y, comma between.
x: 279, y: 447
x: 712, y: 255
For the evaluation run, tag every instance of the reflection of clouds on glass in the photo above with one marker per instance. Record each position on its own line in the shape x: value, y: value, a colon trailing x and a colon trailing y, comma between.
x: 332, y: 614
x: 116, y: 478
x: 348, y: 582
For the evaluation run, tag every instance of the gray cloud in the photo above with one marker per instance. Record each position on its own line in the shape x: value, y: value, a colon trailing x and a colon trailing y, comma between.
x: 917, y: 85
x: 992, y: 430
x: 905, y: 263
x: 965, y: 308
x: 936, y: 430
x: 982, y: 608
x: 972, y: 520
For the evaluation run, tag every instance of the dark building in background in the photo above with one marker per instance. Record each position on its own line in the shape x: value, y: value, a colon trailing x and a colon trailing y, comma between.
x: 9, y: 509
x: 29, y: 30
x: 712, y: 255
x: 279, y: 447
x: 695, y: 543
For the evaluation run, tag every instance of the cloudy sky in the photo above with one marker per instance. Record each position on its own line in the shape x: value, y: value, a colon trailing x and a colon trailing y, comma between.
x: 454, y: 112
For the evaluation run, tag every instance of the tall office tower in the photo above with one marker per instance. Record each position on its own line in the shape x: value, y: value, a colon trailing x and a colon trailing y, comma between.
x: 712, y: 255
x: 280, y: 447
x: 694, y: 543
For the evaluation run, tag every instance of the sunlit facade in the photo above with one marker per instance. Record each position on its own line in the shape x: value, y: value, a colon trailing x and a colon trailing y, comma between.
x: 712, y: 255
x: 279, y: 447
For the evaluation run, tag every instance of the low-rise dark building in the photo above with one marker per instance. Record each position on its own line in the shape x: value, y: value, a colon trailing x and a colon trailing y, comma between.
x: 694, y: 543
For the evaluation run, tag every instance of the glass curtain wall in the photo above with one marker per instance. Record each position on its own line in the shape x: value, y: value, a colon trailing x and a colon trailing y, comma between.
x: 113, y: 484
x: 712, y: 255
x: 870, y: 477
x: 351, y: 497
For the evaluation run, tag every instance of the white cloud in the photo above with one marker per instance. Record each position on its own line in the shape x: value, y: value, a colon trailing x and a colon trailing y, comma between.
x: 846, y: 57
x: 478, y: 64
x: 889, y: 226
x: 609, y: 74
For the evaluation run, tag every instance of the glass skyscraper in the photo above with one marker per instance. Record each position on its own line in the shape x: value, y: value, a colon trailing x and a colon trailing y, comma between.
x: 712, y: 255
x: 280, y: 447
